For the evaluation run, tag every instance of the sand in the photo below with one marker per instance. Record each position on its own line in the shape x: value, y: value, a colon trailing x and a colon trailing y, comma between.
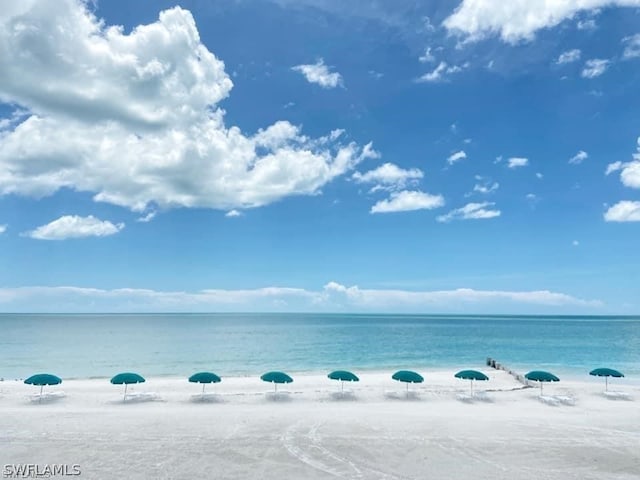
x: 311, y: 432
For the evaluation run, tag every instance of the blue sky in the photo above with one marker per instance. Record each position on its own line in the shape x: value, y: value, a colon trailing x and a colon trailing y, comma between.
x: 318, y: 155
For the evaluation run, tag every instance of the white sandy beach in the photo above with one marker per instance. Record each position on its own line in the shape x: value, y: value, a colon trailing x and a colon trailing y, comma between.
x: 309, y: 433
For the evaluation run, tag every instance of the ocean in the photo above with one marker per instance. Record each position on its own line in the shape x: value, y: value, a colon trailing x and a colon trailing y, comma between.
x: 98, y: 346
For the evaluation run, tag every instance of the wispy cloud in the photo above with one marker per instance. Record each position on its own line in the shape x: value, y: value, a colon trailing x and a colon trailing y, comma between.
x: 73, y: 226
x: 441, y: 72
x: 517, y: 162
x: 569, y: 56
x: 407, y: 201
x: 485, y: 186
x: 332, y: 297
x: 456, y: 157
x: 427, y: 56
x: 631, y: 46
x: 586, y: 24
x: 233, y: 213
x: 471, y: 211
x: 595, y: 67
x: 579, y: 157
x: 320, y: 74
x: 148, y: 217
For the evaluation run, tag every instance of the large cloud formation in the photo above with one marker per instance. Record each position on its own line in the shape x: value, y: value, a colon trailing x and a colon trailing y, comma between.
x: 519, y: 20
x: 133, y: 117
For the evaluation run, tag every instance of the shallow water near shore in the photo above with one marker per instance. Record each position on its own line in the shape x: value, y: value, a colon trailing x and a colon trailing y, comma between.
x: 97, y: 346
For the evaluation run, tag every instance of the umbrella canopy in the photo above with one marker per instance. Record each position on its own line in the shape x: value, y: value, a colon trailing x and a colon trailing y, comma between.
x: 276, y: 378
x: 540, y: 376
x: 471, y: 375
x: 204, y: 378
x: 42, y: 379
x: 343, y: 376
x: 127, y: 378
x: 606, y: 373
x: 407, y: 376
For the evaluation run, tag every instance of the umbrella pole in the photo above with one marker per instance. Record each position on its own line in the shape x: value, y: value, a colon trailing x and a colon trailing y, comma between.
x: 40, y: 399
x: 275, y: 387
x: 541, y: 388
x: 341, y: 386
x: 124, y: 399
x: 407, y: 394
x: 203, y: 385
x: 606, y: 384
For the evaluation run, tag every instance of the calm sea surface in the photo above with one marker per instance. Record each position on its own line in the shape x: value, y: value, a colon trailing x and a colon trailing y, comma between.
x: 83, y: 346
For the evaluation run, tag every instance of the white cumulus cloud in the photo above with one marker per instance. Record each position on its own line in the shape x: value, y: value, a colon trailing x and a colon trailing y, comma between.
x: 320, y: 74
x: 624, y: 211
x: 406, y: 201
x: 579, y: 157
x: 133, y: 118
x: 471, y: 211
x: 518, y: 20
x: 389, y: 176
x: 517, y: 162
x: 74, y: 226
x: 629, y: 171
x: 569, y: 56
x: 456, y: 157
x: 3, y: 228
x: 595, y: 67
x: 233, y: 213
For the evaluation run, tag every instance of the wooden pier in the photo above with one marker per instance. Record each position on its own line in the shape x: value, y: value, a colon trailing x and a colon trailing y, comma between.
x: 491, y: 362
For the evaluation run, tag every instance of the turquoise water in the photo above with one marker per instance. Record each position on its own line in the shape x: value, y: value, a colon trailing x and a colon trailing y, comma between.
x: 84, y: 346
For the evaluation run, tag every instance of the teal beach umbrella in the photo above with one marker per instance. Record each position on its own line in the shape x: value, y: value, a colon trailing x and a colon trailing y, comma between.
x: 606, y: 373
x: 126, y: 379
x: 541, y: 377
x: 42, y: 379
x: 276, y: 378
x: 471, y: 375
x: 204, y: 378
x: 343, y: 376
x: 407, y: 376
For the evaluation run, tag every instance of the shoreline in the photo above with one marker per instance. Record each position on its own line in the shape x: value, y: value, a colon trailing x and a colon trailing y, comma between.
x: 306, y: 384
x: 564, y: 375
